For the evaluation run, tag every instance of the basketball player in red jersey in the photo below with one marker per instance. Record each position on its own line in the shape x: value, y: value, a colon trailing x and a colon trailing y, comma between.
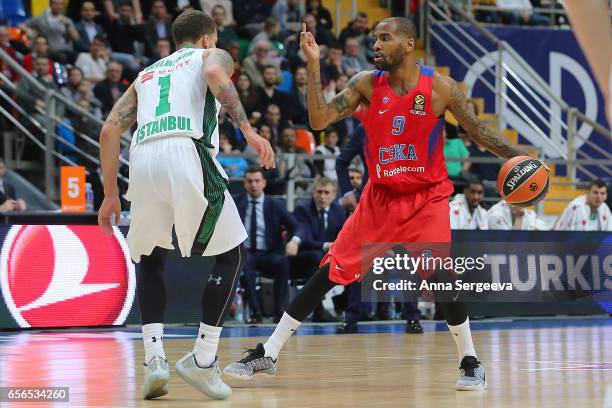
x: 406, y: 198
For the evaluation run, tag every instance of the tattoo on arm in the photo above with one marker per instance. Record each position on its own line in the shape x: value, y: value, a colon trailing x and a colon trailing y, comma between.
x: 341, y: 106
x: 227, y: 95
x: 123, y: 114
x: 222, y: 86
x: 478, y: 130
x: 220, y: 57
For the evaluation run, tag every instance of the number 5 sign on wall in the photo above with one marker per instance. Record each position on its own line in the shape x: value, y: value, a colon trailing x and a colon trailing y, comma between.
x: 73, y: 188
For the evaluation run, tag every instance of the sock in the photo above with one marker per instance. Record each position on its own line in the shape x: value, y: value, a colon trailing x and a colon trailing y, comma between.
x: 206, y: 344
x: 284, y: 329
x: 152, y: 336
x: 463, y: 339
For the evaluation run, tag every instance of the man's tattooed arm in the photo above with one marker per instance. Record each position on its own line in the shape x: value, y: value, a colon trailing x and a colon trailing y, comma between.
x: 123, y: 114
x: 120, y: 119
x: 218, y: 69
x: 478, y: 130
x: 321, y: 113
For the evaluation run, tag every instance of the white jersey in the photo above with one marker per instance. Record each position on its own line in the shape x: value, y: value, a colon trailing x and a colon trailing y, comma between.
x: 175, y: 180
x: 174, y: 100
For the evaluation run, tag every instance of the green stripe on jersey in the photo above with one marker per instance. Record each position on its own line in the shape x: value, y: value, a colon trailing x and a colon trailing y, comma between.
x: 214, y: 183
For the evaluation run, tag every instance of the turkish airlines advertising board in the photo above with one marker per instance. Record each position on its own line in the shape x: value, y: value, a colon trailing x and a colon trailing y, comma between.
x: 65, y: 275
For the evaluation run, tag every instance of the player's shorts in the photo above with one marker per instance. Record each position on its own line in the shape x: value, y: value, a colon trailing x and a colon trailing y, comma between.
x: 384, y: 216
x: 174, y: 181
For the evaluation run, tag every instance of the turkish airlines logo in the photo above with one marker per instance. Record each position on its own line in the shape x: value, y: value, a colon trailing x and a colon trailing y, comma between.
x: 58, y: 275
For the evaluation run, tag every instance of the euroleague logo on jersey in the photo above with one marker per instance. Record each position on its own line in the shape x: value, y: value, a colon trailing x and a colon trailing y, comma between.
x: 419, y: 105
x: 59, y: 275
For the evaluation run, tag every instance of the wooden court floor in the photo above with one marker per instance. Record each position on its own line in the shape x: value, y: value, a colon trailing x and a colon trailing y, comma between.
x: 547, y: 367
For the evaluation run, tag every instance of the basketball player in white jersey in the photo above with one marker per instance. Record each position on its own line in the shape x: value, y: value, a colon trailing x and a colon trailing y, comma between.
x: 175, y: 180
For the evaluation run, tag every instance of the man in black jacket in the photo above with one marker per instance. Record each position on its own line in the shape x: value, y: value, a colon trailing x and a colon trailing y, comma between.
x: 265, y: 218
x: 111, y: 89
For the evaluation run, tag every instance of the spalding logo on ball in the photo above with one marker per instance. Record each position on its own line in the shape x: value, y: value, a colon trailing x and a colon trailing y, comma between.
x: 523, y: 181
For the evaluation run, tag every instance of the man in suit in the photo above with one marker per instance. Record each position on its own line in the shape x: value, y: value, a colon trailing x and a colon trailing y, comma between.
x: 323, y: 218
x: 265, y: 218
x: 158, y: 26
x: 109, y: 90
x: 8, y: 197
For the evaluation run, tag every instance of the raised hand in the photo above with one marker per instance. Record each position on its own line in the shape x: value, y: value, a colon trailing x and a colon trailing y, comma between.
x: 309, y: 45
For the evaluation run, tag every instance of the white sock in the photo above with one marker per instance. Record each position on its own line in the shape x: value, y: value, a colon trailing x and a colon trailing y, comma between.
x: 206, y: 345
x: 284, y: 329
x: 463, y: 339
x: 152, y: 336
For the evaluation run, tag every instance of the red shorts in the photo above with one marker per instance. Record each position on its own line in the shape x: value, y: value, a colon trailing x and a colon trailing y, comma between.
x: 384, y: 216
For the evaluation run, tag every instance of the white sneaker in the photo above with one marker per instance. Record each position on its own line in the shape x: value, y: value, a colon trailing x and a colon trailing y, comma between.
x: 156, y: 377
x: 206, y: 380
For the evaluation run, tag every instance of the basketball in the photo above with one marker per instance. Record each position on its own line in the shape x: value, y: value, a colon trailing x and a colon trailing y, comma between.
x: 523, y: 181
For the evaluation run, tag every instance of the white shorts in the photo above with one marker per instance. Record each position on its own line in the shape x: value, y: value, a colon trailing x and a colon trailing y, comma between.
x: 173, y: 182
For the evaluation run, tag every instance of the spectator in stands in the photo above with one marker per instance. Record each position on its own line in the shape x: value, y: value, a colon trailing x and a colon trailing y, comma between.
x: 303, y: 167
x: 587, y: 212
x: 323, y: 218
x: 455, y: 148
x: 234, y: 166
x: 289, y: 13
x: 89, y: 30
x: 358, y: 28
x: 250, y: 15
x: 271, y: 31
x: 87, y: 27
x: 95, y: 62
x: 5, y: 44
x: 8, y: 197
x: 353, y: 60
x: 273, y: 119
x: 57, y: 28
x: 331, y: 67
x: 40, y: 48
x: 505, y: 216
x: 323, y: 16
x: 298, y: 96
x: 322, y: 35
x: 208, y: 6
x: 32, y: 97
x: 163, y: 48
x: 225, y: 33
x: 268, y: 94
x: 465, y: 209
x: 254, y: 64
x: 355, y: 177
x: 125, y: 34
x: 247, y: 94
x: 327, y: 167
x: 80, y: 91
x: 158, y: 26
x: 288, y: 138
x: 522, y: 13
x: 265, y: 132
x: 265, y: 218
x: 109, y: 90
x: 76, y: 92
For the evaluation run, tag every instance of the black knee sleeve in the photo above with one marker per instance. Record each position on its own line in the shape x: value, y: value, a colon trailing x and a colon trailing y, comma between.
x: 221, y: 285
x: 311, y: 294
x: 150, y: 286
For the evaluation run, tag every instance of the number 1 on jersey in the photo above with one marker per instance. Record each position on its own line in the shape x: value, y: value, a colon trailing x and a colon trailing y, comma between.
x: 163, y: 106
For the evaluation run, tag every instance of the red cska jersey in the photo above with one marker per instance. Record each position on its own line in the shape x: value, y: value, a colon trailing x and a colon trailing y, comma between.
x: 404, y: 145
